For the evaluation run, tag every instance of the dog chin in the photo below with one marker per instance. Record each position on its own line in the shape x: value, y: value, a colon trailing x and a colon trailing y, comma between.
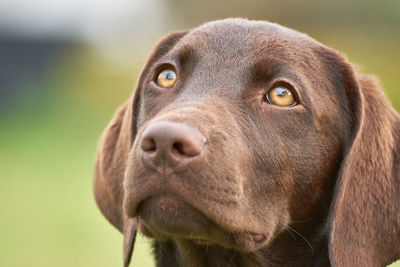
x: 165, y: 217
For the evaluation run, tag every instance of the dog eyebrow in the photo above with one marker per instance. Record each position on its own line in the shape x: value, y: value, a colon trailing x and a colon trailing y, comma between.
x: 184, y: 55
x: 266, y: 70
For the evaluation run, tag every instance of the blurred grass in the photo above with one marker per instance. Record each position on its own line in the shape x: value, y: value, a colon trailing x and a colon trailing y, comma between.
x: 49, y: 217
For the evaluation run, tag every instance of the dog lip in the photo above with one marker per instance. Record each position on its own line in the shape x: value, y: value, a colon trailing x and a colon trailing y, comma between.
x: 178, y: 200
x: 133, y: 211
x: 155, y: 195
x: 133, y: 202
x: 170, y: 215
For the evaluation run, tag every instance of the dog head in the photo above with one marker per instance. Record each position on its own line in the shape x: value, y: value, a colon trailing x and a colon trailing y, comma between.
x: 237, y: 129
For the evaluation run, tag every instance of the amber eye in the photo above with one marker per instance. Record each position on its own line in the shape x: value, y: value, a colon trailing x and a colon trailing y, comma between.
x: 166, y: 78
x: 281, y: 96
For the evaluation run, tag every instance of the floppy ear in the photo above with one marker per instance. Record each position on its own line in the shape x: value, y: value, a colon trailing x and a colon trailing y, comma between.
x: 110, y: 165
x: 114, y: 148
x: 365, y: 213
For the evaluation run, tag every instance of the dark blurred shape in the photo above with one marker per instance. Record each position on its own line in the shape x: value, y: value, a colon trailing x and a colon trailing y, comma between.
x: 24, y: 68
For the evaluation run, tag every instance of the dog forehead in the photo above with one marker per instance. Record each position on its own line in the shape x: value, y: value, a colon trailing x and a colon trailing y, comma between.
x: 231, y: 38
x: 230, y: 53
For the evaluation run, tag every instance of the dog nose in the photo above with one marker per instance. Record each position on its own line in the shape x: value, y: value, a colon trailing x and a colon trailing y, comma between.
x: 171, y: 144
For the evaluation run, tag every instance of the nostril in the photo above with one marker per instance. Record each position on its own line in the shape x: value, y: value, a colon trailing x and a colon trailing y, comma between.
x: 149, y: 145
x: 187, y: 148
x: 178, y: 146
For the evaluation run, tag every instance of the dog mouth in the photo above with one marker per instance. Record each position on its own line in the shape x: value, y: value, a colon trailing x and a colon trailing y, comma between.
x: 168, y: 216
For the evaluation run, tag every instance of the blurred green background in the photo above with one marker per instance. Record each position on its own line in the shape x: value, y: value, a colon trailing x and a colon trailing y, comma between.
x: 65, y: 67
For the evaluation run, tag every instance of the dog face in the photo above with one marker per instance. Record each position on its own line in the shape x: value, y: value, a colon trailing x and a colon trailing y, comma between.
x: 260, y: 162
x: 236, y: 131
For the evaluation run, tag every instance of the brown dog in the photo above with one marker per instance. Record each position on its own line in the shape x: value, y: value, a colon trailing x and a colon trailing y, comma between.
x: 250, y: 144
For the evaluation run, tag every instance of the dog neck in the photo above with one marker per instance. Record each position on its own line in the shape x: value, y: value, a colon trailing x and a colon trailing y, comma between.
x: 289, y: 248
